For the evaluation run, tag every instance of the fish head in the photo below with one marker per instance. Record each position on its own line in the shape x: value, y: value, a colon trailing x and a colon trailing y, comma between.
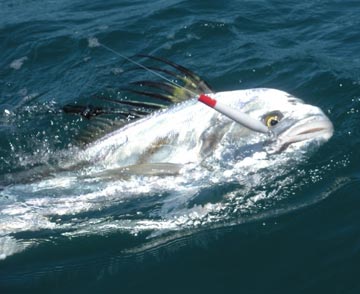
x: 291, y: 122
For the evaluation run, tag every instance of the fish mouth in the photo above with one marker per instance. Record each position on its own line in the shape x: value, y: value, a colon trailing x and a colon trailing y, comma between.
x: 314, y: 128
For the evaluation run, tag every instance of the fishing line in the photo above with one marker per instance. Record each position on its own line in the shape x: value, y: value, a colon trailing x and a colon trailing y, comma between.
x: 147, y: 69
x: 235, y: 115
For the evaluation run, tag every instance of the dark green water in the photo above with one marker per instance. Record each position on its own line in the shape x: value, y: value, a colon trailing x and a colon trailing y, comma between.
x: 309, y: 49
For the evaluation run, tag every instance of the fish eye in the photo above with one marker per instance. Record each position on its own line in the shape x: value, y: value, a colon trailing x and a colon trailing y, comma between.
x: 272, y: 119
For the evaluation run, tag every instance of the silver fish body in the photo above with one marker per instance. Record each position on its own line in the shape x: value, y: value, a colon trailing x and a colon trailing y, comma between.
x: 190, y: 132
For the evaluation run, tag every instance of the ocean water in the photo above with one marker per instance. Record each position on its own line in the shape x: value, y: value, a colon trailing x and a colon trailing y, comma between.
x: 302, y: 237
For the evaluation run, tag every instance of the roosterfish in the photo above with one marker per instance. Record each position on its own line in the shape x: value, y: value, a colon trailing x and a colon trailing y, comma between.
x: 238, y: 124
x: 186, y: 156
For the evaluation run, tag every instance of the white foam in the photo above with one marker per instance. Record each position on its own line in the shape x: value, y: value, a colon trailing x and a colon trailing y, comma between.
x: 93, y: 42
x: 9, y: 246
x: 18, y: 63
